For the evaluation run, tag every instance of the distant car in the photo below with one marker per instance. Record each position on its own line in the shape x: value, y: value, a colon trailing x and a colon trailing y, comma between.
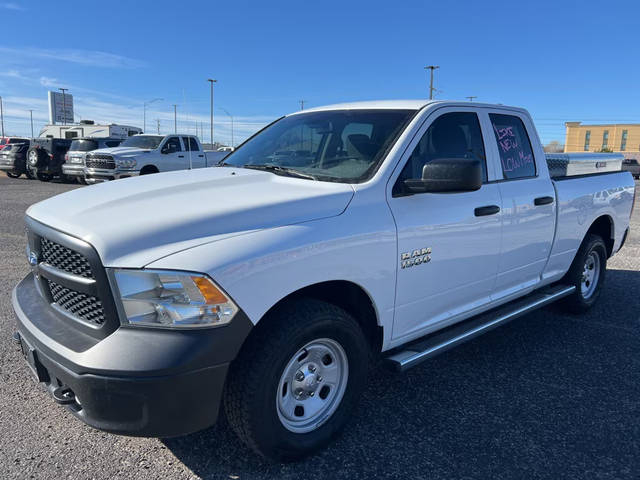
x: 5, y: 141
x: 46, y: 156
x: 13, y: 159
x: 631, y: 165
x: 74, y: 160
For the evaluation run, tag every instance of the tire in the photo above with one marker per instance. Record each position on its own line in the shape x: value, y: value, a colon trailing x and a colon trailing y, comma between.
x: 265, y: 379
x: 148, y: 170
x: 82, y: 181
x: 29, y: 173
x: 587, y: 274
x: 13, y: 175
x: 43, y: 177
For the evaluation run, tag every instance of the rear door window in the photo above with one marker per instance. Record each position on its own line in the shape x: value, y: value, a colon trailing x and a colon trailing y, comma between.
x: 190, y: 144
x: 514, y: 146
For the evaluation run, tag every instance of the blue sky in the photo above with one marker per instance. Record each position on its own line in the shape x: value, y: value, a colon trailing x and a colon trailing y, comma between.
x: 564, y: 61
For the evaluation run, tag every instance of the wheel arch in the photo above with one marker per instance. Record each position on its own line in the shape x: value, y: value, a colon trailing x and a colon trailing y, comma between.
x: 349, y: 296
x: 603, y: 226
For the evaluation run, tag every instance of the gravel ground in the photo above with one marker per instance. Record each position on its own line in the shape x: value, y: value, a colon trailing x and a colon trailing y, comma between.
x: 547, y: 396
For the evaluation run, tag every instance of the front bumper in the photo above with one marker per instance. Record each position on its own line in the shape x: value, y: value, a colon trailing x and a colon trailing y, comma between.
x: 95, y: 175
x: 73, y: 170
x: 136, y: 381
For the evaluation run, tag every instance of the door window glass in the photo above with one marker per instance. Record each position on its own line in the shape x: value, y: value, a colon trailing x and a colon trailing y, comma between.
x: 516, y: 154
x: 173, y: 145
x: 190, y: 144
x: 452, y: 135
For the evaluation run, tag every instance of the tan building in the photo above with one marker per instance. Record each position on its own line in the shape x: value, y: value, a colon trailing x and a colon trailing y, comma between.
x: 619, y: 137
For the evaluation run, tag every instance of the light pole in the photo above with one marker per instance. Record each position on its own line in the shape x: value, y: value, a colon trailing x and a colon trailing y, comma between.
x: 31, y: 117
x: 1, y: 116
x: 211, y: 81
x: 144, y: 112
x: 175, y: 118
x: 231, y: 117
x: 64, y: 105
x: 471, y: 97
x: 431, y: 89
x: 301, y: 104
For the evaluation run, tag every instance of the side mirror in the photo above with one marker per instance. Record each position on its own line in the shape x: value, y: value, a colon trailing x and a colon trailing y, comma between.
x: 448, y: 175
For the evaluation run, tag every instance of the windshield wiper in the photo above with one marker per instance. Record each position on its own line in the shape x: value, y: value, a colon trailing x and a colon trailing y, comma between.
x: 278, y: 170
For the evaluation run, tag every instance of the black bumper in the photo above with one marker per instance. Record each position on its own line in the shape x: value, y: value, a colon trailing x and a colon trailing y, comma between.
x: 141, y: 382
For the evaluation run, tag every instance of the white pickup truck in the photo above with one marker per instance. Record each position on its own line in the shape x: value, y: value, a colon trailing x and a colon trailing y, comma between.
x: 144, y: 154
x: 392, y: 229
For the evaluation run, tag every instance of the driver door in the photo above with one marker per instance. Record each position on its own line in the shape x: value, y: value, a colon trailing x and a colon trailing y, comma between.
x: 173, y: 157
x: 448, y: 243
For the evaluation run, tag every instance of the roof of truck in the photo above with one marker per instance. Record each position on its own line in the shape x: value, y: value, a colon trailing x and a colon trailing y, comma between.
x: 396, y: 105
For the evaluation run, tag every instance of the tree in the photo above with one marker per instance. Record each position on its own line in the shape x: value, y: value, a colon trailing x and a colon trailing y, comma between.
x: 554, y: 146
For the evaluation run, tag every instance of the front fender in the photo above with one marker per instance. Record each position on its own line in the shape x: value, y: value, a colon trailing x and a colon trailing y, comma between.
x: 260, y: 268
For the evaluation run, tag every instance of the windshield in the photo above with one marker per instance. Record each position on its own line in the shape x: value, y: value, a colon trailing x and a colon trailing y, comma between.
x: 150, y: 142
x: 338, y: 145
x: 83, y: 145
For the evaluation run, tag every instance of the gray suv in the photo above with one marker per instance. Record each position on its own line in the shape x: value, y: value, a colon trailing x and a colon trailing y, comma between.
x: 632, y: 165
x: 74, y: 159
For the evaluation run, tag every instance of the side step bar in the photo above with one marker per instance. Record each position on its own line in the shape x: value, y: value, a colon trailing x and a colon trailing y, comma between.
x: 427, y: 347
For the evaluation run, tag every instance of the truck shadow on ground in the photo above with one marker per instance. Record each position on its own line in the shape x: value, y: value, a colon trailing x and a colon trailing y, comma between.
x: 549, y: 395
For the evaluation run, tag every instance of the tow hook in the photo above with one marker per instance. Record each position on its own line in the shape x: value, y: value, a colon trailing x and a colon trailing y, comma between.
x: 64, y: 395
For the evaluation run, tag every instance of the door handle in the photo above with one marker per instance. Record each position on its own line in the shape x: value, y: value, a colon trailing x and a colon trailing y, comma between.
x: 201, y: 156
x: 180, y: 156
x: 488, y: 210
x: 543, y: 201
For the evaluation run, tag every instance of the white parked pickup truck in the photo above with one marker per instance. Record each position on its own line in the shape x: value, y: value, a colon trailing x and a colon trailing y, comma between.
x: 144, y: 154
x: 392, y: 229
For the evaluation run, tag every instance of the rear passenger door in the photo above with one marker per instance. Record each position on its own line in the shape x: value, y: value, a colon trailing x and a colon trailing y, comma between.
x: 455, y: 241
x: 528, y: 203
x: 193, y: 154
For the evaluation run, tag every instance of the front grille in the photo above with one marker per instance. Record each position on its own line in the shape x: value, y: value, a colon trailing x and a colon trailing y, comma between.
x: 65, y: 259
x: 95, y: 162
x: 84, y: 306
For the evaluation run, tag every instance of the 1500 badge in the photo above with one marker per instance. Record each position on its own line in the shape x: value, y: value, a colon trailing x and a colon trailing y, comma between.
x: 417, y: 257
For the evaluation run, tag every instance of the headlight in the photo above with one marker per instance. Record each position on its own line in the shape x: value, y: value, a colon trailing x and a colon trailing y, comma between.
x: 171, y: 299
x: 125, y: 162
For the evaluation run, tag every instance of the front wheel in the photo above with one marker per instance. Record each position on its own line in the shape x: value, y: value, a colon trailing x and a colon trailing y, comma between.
x: 13, y: 175
x: 587, y: 274
x: 295, y: 382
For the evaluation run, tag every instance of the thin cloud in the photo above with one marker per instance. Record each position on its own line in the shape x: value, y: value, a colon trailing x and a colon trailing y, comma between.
x: 48, y: 81
x: 89, y: 58
x: 11, y: 6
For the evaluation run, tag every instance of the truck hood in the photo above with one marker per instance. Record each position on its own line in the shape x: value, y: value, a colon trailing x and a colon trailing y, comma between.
x: 121, y: 150
x: 134, y: 221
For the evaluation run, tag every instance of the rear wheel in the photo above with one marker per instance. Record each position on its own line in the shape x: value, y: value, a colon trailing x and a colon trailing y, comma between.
x: 295, y: 382
x: 13, y: 175
x: 587, y: 274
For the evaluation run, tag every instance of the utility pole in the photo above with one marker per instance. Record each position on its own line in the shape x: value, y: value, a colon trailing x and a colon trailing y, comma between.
x: 301, y: 104
x: 144, y: 112
x: 31, y: 116
x: 471, y: 97
x: 1, y: 116
x: 158, y: 122
x: 211, y: 81
x: 64, y: 105
x: 175, y: 118
x: 231, y: 117
x: 431, y: 89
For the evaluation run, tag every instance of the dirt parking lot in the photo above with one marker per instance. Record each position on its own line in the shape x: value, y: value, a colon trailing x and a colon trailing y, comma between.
x: 547, y: 396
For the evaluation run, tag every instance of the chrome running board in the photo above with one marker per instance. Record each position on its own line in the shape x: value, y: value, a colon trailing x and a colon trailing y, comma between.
x: 413, y: 353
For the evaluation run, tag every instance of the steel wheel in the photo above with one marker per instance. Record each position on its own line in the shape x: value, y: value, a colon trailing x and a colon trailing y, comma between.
x: 312, y: 385
x: 590, y: 274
